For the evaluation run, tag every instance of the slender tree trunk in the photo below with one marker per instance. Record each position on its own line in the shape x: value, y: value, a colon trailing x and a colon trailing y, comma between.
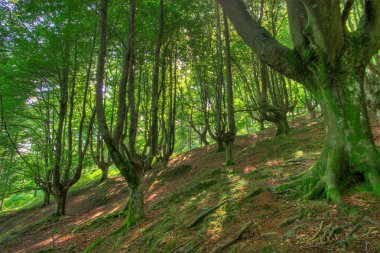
x: 2, y: 204
x: 220, y: 84
x: 229, y: 137
x: 46, y: 198
x: 104, y: 169
x: 155, y: 81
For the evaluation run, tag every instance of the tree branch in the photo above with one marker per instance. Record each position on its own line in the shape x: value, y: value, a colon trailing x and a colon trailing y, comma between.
x: 297, y: 21
x: 324, y: 19
x: 372, y: 25
x: 268, y: 49
x: 346, y: 10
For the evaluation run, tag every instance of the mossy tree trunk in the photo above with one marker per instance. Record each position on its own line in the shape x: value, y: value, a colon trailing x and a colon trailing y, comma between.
x: 282, y: 125
x: 349, y: 154
x: 330, y: 61
x: 136, y: 198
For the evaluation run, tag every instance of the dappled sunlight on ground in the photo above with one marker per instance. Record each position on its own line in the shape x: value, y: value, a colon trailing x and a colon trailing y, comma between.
x: 176, y: 196
x: 274, y: 163
x: 249, y: 169
x: 215, y: 228
x: 88, y: 218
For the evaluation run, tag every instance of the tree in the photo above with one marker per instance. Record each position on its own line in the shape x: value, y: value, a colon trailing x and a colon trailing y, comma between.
x: 330, y: 62
x: 131, y: 164
x: 229, y: 137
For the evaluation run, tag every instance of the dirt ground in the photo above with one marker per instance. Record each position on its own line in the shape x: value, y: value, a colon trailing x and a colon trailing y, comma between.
x: 279, y: 222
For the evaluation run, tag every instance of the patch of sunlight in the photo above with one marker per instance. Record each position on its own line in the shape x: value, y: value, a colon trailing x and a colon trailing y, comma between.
x: 312, y: 123
x: 152, y: 197
x: 43, y: 243
x: 274, y: 163
x: 89, y: 218
x: 189, y: 202
x: 238, y: 188
x: 249, y: 169
x: 154, y: 184
x: 65, y: 238
x: 180, y: 158
x: 215, y: 227
x: 298, y: 154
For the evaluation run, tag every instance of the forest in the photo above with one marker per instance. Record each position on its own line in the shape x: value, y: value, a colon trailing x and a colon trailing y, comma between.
x: 190, y: 126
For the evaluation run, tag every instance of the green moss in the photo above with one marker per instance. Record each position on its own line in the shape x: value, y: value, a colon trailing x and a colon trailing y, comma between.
x: 348, y: 209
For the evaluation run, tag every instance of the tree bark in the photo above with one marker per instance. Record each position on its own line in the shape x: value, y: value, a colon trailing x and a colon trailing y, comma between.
x: 282, y: 125
x: 229, y: 137
x: 330, y: 63
x: 350, y: 154
x: 155, y: 81
x: 104, y: 169
x: 2, y: 204
x: 136, y: 198
x: 60, y: 202
x: 46, y: 198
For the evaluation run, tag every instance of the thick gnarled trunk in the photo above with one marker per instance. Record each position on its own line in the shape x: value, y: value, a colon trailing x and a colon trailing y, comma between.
x: 349, y: 155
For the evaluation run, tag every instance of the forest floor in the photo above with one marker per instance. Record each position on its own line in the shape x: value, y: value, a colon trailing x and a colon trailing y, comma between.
x: 199, y: 205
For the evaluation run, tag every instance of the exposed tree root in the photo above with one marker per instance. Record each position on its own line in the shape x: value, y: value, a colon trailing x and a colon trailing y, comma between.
x: 371, y: 221
x: 205, y: 213
x: 331, y: 174
x: 317, y: 233
x: 293, y: 231
x: 290, y: 220
x: 233, y: 239
x: 357, y: 226
x: 331, y: 231
x: 252, y: 193
x: 177, y: 249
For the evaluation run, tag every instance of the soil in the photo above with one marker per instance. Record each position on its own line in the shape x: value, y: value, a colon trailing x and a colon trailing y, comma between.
x: 280, y: 222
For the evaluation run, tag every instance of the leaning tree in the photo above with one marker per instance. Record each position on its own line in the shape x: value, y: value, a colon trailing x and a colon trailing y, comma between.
x: 330, y: 61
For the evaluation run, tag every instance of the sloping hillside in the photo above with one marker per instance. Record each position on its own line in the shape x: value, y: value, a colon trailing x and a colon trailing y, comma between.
x: 199, y: 205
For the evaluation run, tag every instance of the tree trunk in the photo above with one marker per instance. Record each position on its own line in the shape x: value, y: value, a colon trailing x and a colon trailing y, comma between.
x: 60, y: 202
x: 2, y: 204
x: 204, y: 140
x: 136, y: 199
x: 220, y: 145
x: 282, y: 125
x: 229, y: 153
x: 46, y: 198
x: 231, y: 134
x: 349, y: 155
x: 104, y: 173
x: 312, y: 113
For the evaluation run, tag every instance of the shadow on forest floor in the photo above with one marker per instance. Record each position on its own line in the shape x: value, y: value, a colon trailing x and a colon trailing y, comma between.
x: 199, y: 205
